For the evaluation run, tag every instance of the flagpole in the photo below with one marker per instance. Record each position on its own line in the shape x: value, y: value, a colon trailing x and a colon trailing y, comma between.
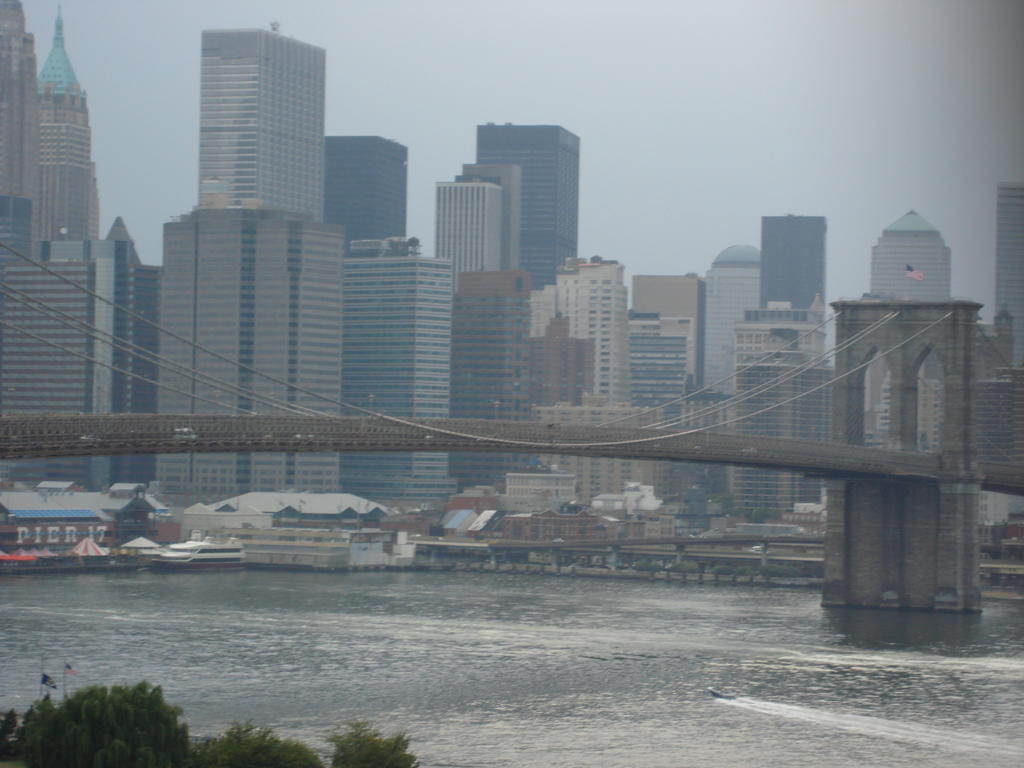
x: 42, y: 662
x: 64, y: 680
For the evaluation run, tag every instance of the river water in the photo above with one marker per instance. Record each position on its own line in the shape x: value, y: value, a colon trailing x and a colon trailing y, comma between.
x: 521, y: 670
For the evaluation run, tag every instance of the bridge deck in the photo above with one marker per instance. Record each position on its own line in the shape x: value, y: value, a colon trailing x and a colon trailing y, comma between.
x: 52, y: 435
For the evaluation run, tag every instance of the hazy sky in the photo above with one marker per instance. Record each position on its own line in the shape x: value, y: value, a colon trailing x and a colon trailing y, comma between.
x: 696, y: 118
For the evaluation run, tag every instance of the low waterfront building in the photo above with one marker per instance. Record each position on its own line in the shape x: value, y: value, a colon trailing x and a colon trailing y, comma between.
x: 550, y: 525
x: 287, y: 509
x: 325, y: 549
x: 58, y: 515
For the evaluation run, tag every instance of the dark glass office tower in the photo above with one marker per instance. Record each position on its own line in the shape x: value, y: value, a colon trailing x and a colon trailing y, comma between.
x: 550, y: 158
x: 365, y: 180
x: 792, y: 259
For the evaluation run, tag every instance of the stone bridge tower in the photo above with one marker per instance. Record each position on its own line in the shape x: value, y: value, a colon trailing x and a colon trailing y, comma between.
x: 898, y: 543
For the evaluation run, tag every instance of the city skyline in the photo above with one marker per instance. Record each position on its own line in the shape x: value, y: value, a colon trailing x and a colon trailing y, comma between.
x: 906, y: 113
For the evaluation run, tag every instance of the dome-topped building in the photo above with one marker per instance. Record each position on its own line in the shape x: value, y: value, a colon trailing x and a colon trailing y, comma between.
x: 739, y: 255
x: 733, y: 286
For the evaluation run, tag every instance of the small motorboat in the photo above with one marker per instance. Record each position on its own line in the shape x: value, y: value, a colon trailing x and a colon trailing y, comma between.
x: 719, y: 694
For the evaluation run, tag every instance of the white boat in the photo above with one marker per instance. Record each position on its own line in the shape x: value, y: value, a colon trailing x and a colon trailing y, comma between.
x: 201, y: 554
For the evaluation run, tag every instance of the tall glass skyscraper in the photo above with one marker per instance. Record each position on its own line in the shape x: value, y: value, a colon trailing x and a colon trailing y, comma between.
x: 365, y: 180
x: 792, y: 259
x: 549, y: 156
x: 262, y: 287
x: 396, y: 359
x: 19, y: 115
x: 261, y: 122
x: 1010, y: 260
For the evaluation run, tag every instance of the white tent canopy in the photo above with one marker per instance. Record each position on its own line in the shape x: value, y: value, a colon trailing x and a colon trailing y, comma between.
x: 140, y: 543
x: 88, y: 548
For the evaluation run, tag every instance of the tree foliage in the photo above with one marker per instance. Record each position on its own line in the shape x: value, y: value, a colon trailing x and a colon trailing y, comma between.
x: 100, y: 727
x: 244, y: 745
x: 363, y: 746
x: 8, y: 735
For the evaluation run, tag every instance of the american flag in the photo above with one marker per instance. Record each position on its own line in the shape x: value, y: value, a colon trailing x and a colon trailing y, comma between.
x: 69, y: 670
x: 914, y: 274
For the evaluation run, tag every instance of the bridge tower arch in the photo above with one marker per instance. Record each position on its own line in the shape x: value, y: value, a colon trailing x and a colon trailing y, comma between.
x: 906, y: 544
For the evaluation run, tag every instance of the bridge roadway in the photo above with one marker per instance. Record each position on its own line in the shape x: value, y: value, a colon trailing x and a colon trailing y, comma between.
x: 25, y: 436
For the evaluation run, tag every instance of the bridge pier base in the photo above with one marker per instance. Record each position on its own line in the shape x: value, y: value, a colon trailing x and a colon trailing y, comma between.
x: 905, y: 545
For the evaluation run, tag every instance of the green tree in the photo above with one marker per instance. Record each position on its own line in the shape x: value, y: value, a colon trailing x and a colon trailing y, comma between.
x: 244, y: 745
x: 8, y: 734
x: 363, y: 746
x: 100, y: 727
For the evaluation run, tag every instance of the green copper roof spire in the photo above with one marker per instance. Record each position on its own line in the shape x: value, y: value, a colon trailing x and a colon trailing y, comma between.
x: 57, y: 71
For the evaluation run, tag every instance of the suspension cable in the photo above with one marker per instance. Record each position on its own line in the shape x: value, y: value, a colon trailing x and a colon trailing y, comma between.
x: 734, y: 374
x: 141, y: 353
x: 116, y: 369
x: 670, y: 435
x: 776, y: 381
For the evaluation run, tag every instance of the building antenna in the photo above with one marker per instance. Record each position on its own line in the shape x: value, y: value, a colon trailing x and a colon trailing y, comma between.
x: 275, y: 26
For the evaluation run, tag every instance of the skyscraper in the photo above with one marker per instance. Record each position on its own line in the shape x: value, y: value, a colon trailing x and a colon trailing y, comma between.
x: 792, y: 259
x: 365, y: 180
x: 468, y: 230
x: 733, y: 286
x: 15, y: 226
x: 261, y: 122
x: 19, y: 113
x: 549, y: 156
x: 592, y: 296
x: 264, y: 288
x: 561, y: 367
x: 910, y: 261
x: 510, y: 179
x: 675, y: 298
x: 1010, y: 260
x: 490, y: 363
x: 660, y: 359
x: 37, y: 377
x: 767, y: 349
x: 397, y: 360
x: 68, y: 204
x: 490, y: 353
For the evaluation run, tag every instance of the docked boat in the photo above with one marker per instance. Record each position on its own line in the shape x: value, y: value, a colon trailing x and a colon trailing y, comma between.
x: 720, y: 695
x: 201, y: 554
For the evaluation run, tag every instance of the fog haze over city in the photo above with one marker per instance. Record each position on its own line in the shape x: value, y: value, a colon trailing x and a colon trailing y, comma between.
x: 695, y: 118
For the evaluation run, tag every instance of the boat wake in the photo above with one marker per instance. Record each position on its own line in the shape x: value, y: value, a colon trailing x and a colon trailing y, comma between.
x: 880, y: 728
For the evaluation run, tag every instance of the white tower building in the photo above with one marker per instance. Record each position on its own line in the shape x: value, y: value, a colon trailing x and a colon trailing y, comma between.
x: 261, y: 122
x: 592, y: 295
x: 468, y: 232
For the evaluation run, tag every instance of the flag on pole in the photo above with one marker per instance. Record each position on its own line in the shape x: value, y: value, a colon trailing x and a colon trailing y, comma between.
x: 69, y: 670
x: 914, y: 274
x: 48, y: 681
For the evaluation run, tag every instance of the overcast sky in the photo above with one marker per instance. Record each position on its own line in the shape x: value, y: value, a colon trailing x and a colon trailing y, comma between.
x: 696, y: 118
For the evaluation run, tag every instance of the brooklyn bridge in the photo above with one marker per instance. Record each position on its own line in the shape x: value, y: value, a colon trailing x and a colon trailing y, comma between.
x: 902, y: 522
x: 52, y: 435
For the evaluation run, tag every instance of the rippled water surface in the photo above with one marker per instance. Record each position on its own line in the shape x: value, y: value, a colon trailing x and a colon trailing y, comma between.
x: 517, y: 670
